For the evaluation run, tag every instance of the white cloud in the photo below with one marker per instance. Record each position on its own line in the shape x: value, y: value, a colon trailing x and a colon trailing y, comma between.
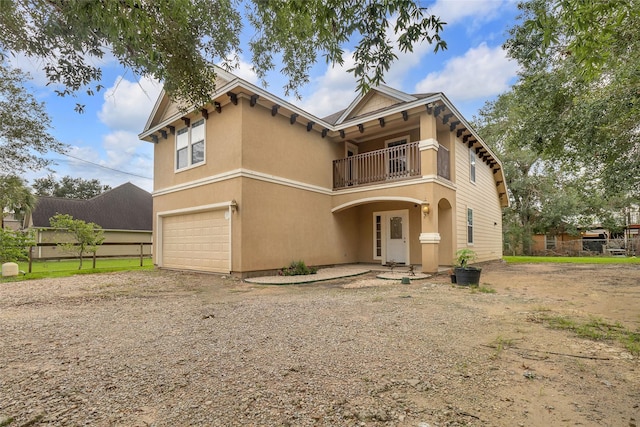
x: 124, y: 153
x: 245, y: 71
x: 332, y: 91
x: 481, y: 72
x: 472, y: 12
x: 127, y: 104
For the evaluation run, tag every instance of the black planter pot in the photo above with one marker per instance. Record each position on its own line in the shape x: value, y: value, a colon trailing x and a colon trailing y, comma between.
x: 468, y: 276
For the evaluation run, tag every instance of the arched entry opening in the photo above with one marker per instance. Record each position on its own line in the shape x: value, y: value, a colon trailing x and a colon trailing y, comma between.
x: 382, y: 230
x: 445, y: 229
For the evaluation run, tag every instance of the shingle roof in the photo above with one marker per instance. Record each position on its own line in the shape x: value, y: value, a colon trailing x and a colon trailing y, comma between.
x: 126, y: 207
x: 333, y: 118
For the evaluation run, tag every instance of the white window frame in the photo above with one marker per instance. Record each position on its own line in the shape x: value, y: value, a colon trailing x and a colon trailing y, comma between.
x: 472, y: 165
x: 378, y: 237
x: 401, y: 140
x: 470, y: 227
x: 190, y: 143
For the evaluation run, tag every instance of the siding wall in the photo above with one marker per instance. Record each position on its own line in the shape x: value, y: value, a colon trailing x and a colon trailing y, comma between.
x: 482, y: 197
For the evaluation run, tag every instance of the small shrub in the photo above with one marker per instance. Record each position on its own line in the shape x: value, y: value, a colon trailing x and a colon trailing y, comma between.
x: 297, y: 268
x: 14, y: 245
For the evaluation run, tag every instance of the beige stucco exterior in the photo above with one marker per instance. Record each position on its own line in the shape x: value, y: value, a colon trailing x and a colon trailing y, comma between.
x: 269, y: 167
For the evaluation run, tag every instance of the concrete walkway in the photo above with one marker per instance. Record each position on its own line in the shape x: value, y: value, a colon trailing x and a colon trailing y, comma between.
x: 338, y: 272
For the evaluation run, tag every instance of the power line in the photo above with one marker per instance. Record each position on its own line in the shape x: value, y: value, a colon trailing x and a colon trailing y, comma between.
x: 104, y: 167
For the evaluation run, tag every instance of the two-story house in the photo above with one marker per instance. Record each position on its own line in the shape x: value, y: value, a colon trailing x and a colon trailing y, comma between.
x: 250, y: 182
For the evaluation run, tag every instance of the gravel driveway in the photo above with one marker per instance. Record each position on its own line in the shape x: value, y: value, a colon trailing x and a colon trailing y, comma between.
x: 171, y: 349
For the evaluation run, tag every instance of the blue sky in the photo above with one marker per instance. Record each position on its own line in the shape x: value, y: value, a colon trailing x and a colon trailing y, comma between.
x: 103, y: 140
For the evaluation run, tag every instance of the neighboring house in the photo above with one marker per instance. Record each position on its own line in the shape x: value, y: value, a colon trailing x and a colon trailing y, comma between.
x: 124, y: 212
x: 9, y: 222
x: 565, y: 244
x: 249, y: 182
x: 593, y: 240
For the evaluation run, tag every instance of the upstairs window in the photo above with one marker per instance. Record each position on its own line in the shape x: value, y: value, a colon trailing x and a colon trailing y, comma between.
x: 190, y: 145
x: 472, y: 165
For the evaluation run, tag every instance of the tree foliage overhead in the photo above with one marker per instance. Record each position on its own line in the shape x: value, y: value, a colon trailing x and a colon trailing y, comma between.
x: 178, y: 41
x: 581, y: 69
x: 568, y: 132
x: 68, y: 187
x: 24, y: 125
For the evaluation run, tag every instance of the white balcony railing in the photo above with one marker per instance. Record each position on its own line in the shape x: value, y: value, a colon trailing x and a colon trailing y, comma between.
x: 389, y: 164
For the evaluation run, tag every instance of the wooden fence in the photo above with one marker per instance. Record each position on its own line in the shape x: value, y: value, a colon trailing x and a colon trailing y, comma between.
x: 140, y: 254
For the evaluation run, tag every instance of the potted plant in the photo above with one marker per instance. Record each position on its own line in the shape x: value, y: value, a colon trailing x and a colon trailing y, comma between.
x: 466, y: 275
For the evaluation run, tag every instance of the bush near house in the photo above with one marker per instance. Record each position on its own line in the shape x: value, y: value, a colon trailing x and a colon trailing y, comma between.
x: 297, y: 268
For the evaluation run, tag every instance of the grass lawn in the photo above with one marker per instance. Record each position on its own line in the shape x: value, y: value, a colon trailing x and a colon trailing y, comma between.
x: 53, y: 268
x: 572, y: 260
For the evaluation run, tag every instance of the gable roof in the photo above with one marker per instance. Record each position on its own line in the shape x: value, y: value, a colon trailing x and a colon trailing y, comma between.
x: 125, y: 207
x: 392, y: 96
x: 342, y: 123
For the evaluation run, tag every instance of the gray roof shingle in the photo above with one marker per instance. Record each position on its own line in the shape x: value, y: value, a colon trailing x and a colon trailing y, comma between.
x: 125, y: 207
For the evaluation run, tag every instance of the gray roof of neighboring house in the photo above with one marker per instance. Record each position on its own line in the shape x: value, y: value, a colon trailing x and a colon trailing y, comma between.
x: 126, y: 207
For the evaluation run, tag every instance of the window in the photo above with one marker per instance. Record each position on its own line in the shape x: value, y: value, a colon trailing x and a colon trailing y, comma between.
x: 377, y: 232
x: 470, y: 226
x: 550, y: 242
x: 472, y: 165
x: 397, y: 156
x: 190, y: 145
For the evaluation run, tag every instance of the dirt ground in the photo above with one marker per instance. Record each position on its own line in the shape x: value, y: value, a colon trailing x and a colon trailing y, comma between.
x: 167, y: 348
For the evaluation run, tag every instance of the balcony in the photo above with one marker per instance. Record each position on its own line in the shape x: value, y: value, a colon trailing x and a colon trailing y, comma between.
x: 380, y: 166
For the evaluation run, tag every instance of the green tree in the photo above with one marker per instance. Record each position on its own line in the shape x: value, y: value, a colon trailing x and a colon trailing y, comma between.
x: 545, y: 196
x: 86, y: 236
x: 15, y: 196
x: 68, y: 187
x: 178, y: 41
x: 580, y: 67
x: 14, y: 245
x: 567, y: 132
x: 24, y: 125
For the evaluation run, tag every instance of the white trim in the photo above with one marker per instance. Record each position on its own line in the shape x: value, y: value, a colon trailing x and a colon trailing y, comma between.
x: 383, y: 89
x: 244, y: 173
x: 235, y: 173
x: 373, y: 200
x: 375, y: 231
x: 196, y: 209
x: 427, y: 238
x: 284, y: 181
x: 428, y: 144
x: 420, y: 102
x: 248, y: 173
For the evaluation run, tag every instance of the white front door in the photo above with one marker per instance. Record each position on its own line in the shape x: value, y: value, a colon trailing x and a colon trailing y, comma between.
x: 397, y: 229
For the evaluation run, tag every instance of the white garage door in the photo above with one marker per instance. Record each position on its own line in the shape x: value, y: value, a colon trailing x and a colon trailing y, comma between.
x: 197, y: 241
